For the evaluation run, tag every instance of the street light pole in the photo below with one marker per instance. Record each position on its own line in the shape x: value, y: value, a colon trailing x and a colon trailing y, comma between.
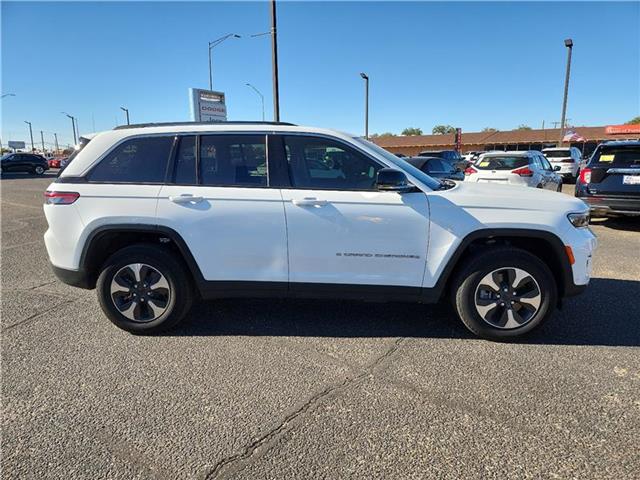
x: 213, y: 44
x: 274, y: 63
x: 366, y: 104
x: 55, y: 135
x: 42, y: 139
x: 73, y: 127
x: 8, y: 95
x: 261, y: 97
x: 569, y: 44
x: 126, y: 110
x: 31, y: 135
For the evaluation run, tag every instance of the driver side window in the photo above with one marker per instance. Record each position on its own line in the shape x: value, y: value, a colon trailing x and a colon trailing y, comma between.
x: 323, y: 164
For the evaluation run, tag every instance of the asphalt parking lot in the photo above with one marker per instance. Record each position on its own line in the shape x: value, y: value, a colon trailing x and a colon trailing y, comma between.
x: 310, y: 389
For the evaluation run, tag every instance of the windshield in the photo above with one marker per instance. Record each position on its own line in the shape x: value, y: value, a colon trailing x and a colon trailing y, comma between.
x: 489, y: 162
x: 557, y: 153
x: 430, y: 182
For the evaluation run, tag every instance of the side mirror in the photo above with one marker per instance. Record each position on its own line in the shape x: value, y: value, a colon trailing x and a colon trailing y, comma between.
x: 556, y: 168
x: 392, y: 180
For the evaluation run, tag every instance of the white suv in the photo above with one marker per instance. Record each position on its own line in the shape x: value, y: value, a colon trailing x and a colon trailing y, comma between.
x: 523, y: 168
x: 154, y: 216
x: 568, y: 159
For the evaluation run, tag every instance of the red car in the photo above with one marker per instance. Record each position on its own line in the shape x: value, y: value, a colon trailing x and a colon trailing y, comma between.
x: 55, y: 162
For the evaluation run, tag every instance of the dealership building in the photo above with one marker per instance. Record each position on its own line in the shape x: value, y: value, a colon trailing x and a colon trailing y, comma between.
x: 589, y: 138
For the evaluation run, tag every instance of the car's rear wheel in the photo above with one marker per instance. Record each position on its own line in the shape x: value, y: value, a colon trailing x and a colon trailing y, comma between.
x: 142, y: 289
x: 504, y: 292
x: 38, y: 170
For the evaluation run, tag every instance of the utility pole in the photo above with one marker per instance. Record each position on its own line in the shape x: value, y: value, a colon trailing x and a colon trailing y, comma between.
x: 569, y: 44
x: 366, y: 104
x: 274, y: 63
x: 42, y: 139
x: 31, y: 135
x: 55, y: 136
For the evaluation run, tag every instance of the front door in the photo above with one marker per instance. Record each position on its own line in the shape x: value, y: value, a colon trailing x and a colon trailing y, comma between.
x: 341, y: 230
x: 220, y: 203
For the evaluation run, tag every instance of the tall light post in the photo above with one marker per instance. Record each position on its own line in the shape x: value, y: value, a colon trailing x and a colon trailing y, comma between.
x: 366, y: 104
x: 31, y: 135
x: 260, y: 95
x: 73, y: 127
x: 212, y: 45
x: 126, y: 110
x: 42, y: 139
x: 3, y: 96
x: 274, y: 63
x: 569, y: 44
x: 55, y: 136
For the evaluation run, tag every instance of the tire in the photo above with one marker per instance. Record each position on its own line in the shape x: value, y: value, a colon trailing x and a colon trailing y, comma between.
x: 470, y: 290
x: 38, y: 170
x: 166, y: 304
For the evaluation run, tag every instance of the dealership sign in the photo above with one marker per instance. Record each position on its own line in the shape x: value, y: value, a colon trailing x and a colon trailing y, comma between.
x: 15, y: 144
x: 621, y: 129
x: 207, y: 105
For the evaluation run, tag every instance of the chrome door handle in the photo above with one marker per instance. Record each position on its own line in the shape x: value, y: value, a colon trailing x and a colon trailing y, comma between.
x: 309, y: 202
x: 185, y: 198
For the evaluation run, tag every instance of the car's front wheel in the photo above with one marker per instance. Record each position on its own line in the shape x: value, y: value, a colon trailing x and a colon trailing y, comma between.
x: 143, y: 289
x: 39, y: 170
x: 504, y: 292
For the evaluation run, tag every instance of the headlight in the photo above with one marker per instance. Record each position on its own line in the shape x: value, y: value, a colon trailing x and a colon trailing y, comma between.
x: 579, y: 220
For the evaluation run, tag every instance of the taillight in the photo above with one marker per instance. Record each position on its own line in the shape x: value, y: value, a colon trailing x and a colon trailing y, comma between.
x: 60, y: 198
x: 523, y: 172
x: 470, y: 171
x: 585, y: 175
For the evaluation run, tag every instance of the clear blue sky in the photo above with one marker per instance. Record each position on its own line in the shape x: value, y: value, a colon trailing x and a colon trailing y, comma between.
x: 471, y: 65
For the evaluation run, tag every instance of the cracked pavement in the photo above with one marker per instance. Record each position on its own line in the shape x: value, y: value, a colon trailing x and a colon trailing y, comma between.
x: 312, y: 389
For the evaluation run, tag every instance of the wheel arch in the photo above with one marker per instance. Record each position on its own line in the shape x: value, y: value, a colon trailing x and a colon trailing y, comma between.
x: 108, y: 239
x: 545, y: 245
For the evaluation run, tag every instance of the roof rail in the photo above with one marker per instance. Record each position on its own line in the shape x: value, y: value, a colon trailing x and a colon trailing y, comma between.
x: 179, y: 124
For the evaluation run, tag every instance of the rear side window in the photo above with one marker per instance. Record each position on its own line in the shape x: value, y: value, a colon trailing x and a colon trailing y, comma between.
x: 489, y: 162
x: 438, y: 166
x: 139, y: 160
x: 618, y: 157
x: 233, y: 160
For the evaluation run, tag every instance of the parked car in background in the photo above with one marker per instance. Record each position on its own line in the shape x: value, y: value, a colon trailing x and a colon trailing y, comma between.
x: 568, y: 159
x: 401, y: 155
x: 24, y: 162
x: 472, y: 157
x: 525, y: 168
x: 436, y: 167
x: 55, y: 162
x: 451, y: 156
x: 610, y: 181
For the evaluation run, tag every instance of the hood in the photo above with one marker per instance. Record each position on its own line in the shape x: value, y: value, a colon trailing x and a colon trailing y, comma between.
x: 483, y: 195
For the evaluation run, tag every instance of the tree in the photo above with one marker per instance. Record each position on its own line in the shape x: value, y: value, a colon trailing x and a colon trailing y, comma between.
x: 443, y: 129
x: 489, y: 129
x: 412, y: 131
x: 634, y: 121
x: 385, y: 134
x: 523, y: 127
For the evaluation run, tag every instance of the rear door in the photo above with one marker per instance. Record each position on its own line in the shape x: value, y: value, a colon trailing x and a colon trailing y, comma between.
x: 341, y: 229
x: 615, y: 170
x: 220, y: 201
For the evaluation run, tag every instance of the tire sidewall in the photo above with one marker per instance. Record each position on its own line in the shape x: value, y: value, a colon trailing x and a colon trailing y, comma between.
x: 35, y: 170
x: 465, y: 295
x: 167, y: 319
